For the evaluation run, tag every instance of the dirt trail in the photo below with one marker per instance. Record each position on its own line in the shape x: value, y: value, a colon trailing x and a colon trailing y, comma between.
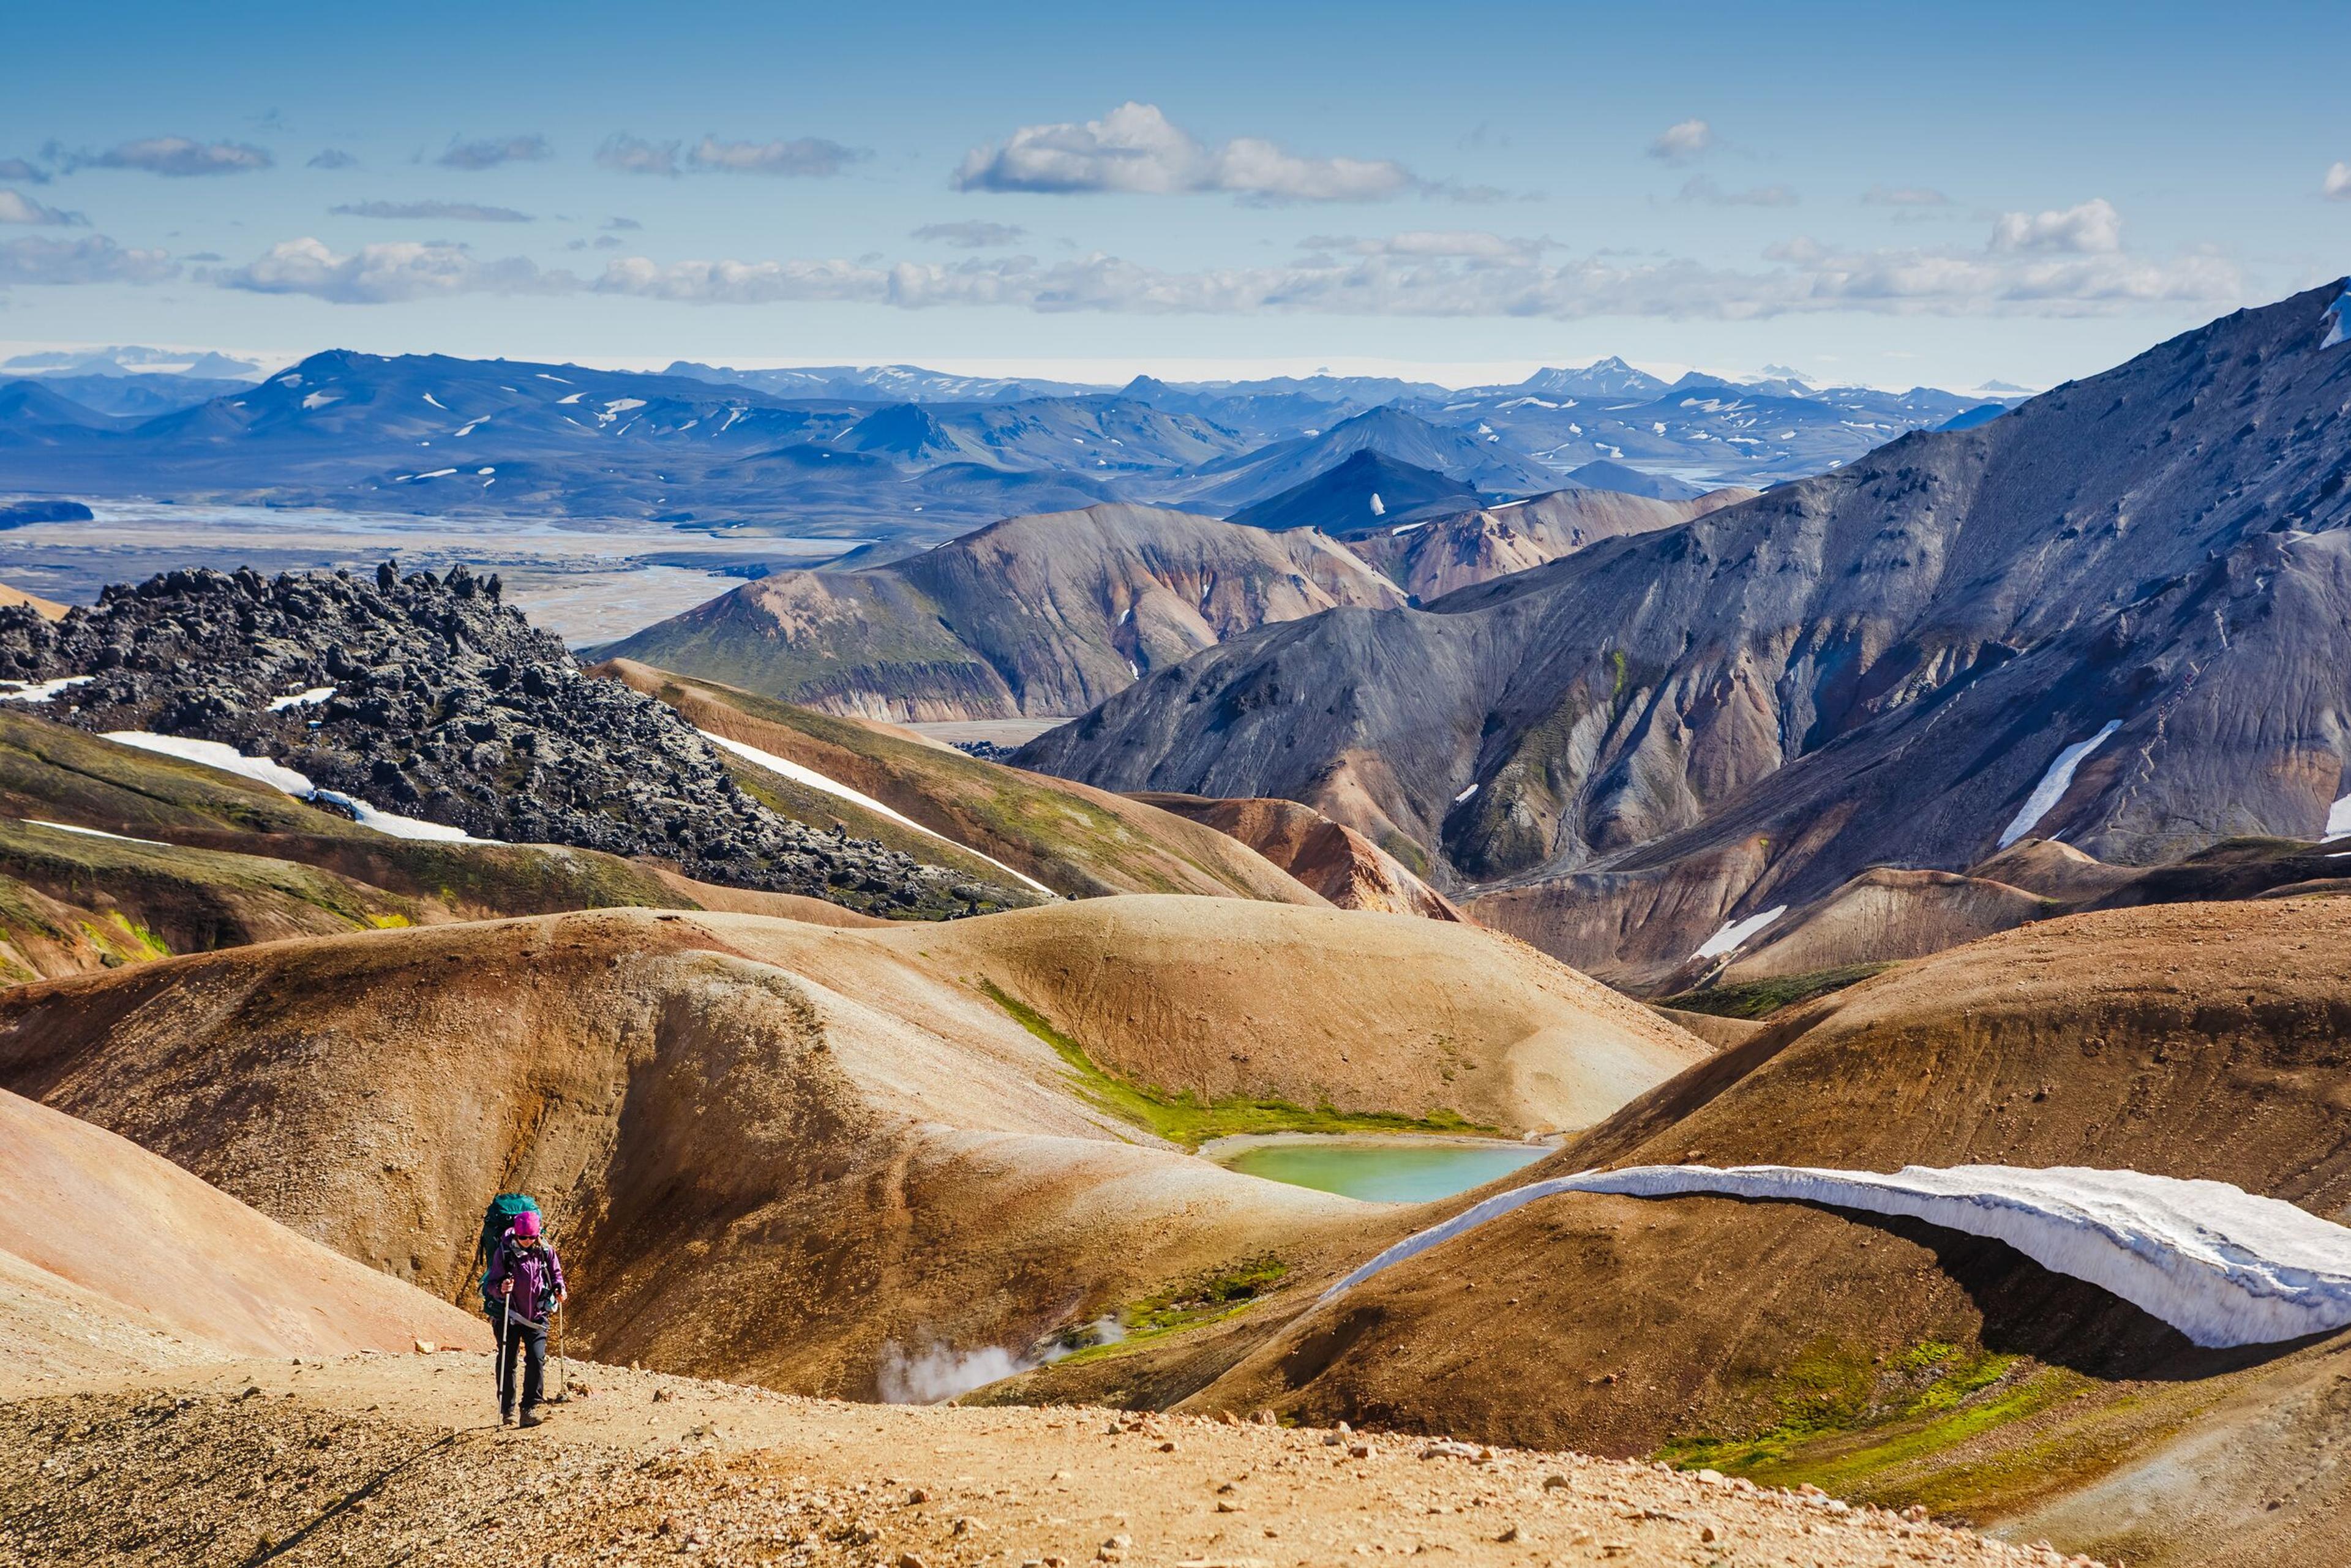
x: 391, y: 1459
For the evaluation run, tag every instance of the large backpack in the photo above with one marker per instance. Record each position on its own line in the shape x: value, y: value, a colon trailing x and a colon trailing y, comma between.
x: 498, y: 1217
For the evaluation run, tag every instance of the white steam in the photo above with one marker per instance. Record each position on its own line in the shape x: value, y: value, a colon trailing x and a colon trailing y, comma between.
x: 940, y: 1373
x: 937, y: 1373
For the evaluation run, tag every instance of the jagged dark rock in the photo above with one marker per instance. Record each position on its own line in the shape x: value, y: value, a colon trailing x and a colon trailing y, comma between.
x: 448, y: 705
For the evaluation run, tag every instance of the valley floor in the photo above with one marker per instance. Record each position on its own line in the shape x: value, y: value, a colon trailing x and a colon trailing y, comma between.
x: 397, y: 1459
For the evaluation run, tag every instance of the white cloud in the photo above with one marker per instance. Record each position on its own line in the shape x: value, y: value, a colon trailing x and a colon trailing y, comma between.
x: 379, y: 274
x: 15, y: 207
x: 2094, y: 228
x: 332, y: 158
x: 459, y: 212
x: 491, y: 152
x: 1435, y: 275
x: 94, y: 258
x: 811, y: 157
x: 1413, y: 273
x: 1469, y: 244
x: 1136, y: 149
x: 1904, y: 196
x: 972, y: 234
x: 1702, y: 188
x: 1683, y: 141
x: 2337, y: 186
x: 177, y: 156
x: 806, y: 156
x: 634, y: 155
x: 19, y: 170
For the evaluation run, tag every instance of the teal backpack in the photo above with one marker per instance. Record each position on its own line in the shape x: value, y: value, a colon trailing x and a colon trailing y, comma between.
x: 498, y: 1217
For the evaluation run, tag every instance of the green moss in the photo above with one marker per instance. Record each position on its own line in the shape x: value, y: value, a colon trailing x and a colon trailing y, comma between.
x: 1183, y: 1118
x: 1762, y: 998
x: 1843, y: 1421
x: 1191, y: 1305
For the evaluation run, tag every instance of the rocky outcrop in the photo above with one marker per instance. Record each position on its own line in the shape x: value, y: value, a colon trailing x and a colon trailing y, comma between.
x: 1046, y: 615
x: 430, y: 698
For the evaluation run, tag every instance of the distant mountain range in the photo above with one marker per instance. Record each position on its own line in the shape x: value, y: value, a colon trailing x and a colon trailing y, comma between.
x: 890, y: 453
x: 2116, y: 614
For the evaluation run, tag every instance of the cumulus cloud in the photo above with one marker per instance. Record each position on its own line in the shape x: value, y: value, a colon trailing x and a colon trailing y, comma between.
x: 971, y: 236
x: 178, y: 157
x: 19, y: 170
x: 458, y: 212
x: 332, y: 158
x: 93, y: 258
x: 1700, y: 188
x: 2094, y: 228
x: 491, y: 152
x: 1904, y: 196
x: 2337, y: 185
x: 1683, y: 141
x: 381, y: 273
x: 15, y: 207
x: 1136, y: 149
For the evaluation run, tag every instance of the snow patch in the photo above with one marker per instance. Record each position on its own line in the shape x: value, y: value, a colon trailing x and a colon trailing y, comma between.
x: 800, y: 773
x: 300, y: 699
x: 287, y: 781
x: 1400, y: 531
x: 436, y: 402
x: 2338, y: 817
x: 1465, y: 794
x: 1735, y: 932
x: 433, y: 474
x: 96, y: 833
x: 2053, y: 784
x: 559, y: 381
x: 2223, y: 1266
x: 321, y: 399
x: 469, y: 429
x: 1379, y: 508
x: 2338, y: 330
x: 38, y: 691
x: 575, y: 397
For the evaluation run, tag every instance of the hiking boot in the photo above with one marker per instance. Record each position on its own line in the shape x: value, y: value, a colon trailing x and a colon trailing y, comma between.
x: 505, y: 1417
x: 531, y: 1418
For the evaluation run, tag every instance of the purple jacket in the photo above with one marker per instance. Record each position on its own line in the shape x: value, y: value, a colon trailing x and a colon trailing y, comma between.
x: 537, y: 1273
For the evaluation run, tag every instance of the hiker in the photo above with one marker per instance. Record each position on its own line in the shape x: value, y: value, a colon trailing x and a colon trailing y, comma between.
x: 522, y: 1289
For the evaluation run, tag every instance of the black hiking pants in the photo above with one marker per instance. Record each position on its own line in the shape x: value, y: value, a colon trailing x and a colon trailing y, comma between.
x: 529, y: 1343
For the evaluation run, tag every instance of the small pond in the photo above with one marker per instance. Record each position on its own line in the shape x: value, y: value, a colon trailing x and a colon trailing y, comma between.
x: 1378, y: 1169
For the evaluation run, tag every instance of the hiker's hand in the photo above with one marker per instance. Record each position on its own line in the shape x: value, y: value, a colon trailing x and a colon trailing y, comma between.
x: 506, y: 1287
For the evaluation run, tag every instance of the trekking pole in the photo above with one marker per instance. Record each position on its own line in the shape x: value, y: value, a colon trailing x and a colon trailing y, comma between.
x: 562, y: 1366
x: 505, y: 1328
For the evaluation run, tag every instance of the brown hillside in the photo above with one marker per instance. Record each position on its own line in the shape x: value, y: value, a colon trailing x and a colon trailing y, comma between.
x: 2195, y: 1040
x: 112, y: 1259
x: 1079, y: 840
x: 1332, y: 858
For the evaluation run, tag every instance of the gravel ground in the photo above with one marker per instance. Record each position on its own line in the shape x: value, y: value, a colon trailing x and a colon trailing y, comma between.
x: 397, y: 1460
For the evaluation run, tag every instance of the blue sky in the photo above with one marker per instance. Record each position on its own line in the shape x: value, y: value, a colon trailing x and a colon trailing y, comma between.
x: 1868, y: 193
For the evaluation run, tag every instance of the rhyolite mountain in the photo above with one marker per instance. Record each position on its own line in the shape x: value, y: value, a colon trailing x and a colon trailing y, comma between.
x: 1439, y: 554
x: 436, y: 701
x: 1620, y: 750
x: 1042, y: 615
